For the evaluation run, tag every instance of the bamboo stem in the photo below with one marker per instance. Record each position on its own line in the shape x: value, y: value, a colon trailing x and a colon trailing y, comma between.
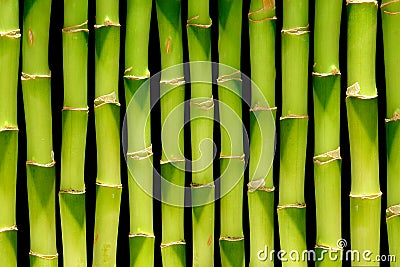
x: 232, y: 163
x: 262, y: 129
x: 172, y: 94
x: 327, y: 161
x: 40, y: 165
x: 75, y: 118
x: 294, y: 128
x: 391, y: 39
x: 201, y: 123
x: 139, y: 158
x: 9, y: 63
x: 107, y: 119
x: 362, y: 114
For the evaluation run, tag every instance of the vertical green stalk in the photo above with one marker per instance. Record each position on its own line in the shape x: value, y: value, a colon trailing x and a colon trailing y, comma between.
x: 172, y: 93
x: 9, y: 64
x: 140, y: 155
x: 40, y: 165
x: 262, y: 134
x: 201, y: 123
x: 362, y: 115
x: 75, y: 119
x: 294, y: 127
x: 107, y: 108
x: 232, y: 153
x: 391, y: 40
x: 327, y: 161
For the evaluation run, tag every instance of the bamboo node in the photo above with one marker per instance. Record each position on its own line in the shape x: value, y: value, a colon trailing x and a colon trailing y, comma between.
x: 293, y: 116
x: 9, y: 128
x: 174, y: 82
x: 230, y: 77
x: 134, y: 77
x: 389, y: 3
x: 141, y: 154
x: 231, y: 239
x: 43, y: 256
x: 107, y: 23
x: 132, y: 235
x: 209, y: 185
x: 75, y: 109
x: 204, y: 105
x: 327, y: 157
x: 46, y: 165
x: 392, y: 212
x: 106, y: 99
x: 354, y: 91
x: 348, y: 2
x: 391, y: 12
x: 297, y: 31
x: 117, y: 186
x: 257, y: 107
x: 175, y: 243
x: 14, y: 34
x: 241, y: 157
x: 72, y: 191
x: 76, y: 28
x: 334, y: 72
x: 367, y: 196
x: 262, y: 20
x: 396, y: 117
x: 295, y: 205
x: 190, y: 23
x: 10, y: 228
x: 261, y: 10
x: 171, y: 161
x: 26, y: 76
x: 326, y: 247
x: 259, y: 185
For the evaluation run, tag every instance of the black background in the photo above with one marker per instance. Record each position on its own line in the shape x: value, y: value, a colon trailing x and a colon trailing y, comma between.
x: 55, y: 62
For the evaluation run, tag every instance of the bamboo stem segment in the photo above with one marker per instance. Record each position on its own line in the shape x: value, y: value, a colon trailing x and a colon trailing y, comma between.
x: 107, y: 120
x: 362, y: 114
x: 40, y: 165
x: 327, y: 160
x: 172, y: 94
x: 232, y: 153
x: 75, y: 118
x: 140, y: 153
x: 201, y: 122
x: 10, y: 39
x: 294, y: 128
x: 390, y: 11
x: 262, y: 20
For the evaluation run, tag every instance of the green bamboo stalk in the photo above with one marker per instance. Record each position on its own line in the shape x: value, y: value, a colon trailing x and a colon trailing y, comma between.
x: 9, y: 64
x: 75, y: 119
x: 362, y: 114
x: 40, y: 165
x: 201, y: 123
x: 172, y: 96
x: 262, y: 134
x: 294, y: 127
x: 232, y: 154
x: 327, y: 161
x: 107, y: 108
x: 139, y: 157
x: 391, y: 40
